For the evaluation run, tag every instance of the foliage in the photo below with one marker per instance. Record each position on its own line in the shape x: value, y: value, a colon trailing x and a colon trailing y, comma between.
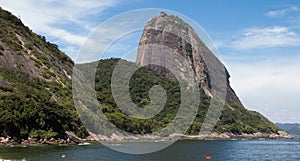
x: 42, y: 134
x: 236, y: 121
x: 6, y: 88
x: 29, y: 107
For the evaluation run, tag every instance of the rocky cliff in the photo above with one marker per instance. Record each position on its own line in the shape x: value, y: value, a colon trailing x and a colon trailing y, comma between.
x: 24, y: 51
x: 167, y: 34
x: 171, y: 32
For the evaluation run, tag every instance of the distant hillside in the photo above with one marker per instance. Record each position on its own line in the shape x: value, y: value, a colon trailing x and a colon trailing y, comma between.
x: 291, y: 128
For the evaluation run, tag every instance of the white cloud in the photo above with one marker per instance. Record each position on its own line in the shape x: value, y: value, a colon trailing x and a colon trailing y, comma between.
x: 270, y: 86
x: 119, y: 34
x: 276, y: 36
x: 53, y: 18
x: 276, y: 13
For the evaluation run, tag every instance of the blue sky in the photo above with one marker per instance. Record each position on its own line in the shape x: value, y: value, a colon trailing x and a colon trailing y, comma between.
x: 258, y: 41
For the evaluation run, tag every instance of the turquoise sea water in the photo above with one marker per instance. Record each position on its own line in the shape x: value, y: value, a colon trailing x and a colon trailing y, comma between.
x: 184, y: 150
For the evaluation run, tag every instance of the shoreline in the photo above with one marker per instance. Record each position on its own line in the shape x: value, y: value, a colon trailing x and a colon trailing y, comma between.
x: 72, y: 139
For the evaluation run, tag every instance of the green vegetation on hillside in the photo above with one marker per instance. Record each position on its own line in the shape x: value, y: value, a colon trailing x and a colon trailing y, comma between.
x: 36, y: 100
x: 44, y: 53
x: 28, y: 108
x: 239, y: 120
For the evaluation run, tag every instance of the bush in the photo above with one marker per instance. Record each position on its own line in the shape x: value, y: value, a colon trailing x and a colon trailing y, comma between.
x: 42, y: 134
x: 6, y: 88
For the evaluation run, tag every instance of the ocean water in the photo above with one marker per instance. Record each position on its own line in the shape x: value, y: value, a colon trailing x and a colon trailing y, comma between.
x: 184, y: 150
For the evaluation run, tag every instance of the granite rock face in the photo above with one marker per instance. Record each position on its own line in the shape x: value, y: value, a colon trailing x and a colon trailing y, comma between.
x: 167, y: 35
x: 23, y: 51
